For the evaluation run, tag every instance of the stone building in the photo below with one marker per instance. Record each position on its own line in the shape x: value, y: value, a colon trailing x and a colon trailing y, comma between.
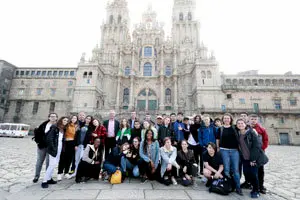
x: 149, y: 72
x: 6, y: 76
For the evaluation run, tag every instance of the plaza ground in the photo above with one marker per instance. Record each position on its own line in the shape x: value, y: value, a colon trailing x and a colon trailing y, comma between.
x: 17, y: 164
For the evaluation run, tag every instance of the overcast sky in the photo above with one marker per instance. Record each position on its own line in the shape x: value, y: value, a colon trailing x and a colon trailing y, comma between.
x: 244, y: 34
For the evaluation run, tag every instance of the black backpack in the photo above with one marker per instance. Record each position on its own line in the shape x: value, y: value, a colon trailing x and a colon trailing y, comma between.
x: 221, y: 186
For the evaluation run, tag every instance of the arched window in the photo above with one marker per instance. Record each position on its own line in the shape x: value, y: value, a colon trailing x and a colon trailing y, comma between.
x: 119, y: 19
x: 209, y: 74
x: 181, y: 16
x: 90, y: 74
x: 126, y: 95
x: 203, y: 74
x: 168, y: 71
x: 190, y: 16
x: 148, y: 51
x: 85, y: 75
x: 147, y: 69
x: 127, y: 71
x: 168, y: 95
x: 111, y: 19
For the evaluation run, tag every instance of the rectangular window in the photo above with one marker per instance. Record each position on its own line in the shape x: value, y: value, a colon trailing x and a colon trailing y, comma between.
x: 35, y: 107
x: 32, y: 73
x: 70, y: 83
x: 6, y: 109
x: 88, y: 81
x: 72, y: 73
x: 66, y: 73
x: 52, y: 107
x: 148, y: 51
x: 293, y: 102
x: 2, y: 101
x: 60, y: 73
x: 256, y: 107
x: 229, y: 96
x: 277, y: 104
x: 281, y: 120
x: 39, y: 91
x: 242, y: 101
x: 52, y: 91
x: 27, y: 73
x: 18, y: 106
x: 22, y: 73
x: 38, y: 73
x: 17, y: 73
x: 54, y: 73
x: 49, y: 73
x: 223, y: 108
x: 44, y: 73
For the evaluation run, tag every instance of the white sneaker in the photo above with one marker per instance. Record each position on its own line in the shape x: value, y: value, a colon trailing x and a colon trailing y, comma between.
x: 174, y: 181
x: 71, y: 176
x: 58, y: 177
x: 67, y: 176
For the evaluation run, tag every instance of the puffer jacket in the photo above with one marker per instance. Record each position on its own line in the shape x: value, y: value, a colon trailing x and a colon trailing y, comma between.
x: 206, y: 135
x: 51, y: 139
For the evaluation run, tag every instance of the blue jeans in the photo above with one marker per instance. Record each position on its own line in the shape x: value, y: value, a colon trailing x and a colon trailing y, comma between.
x: 126, y: 165
x: 231, y: 160
x: 110, y: 168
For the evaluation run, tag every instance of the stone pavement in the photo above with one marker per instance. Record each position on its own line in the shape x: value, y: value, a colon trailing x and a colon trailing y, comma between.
x: 17, y: 164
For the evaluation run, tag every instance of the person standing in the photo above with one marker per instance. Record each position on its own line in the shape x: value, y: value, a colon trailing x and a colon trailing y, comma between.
x: 264, y: 141
x: 99, y: 132
x: 250, y: 152
x: 54, y: 141
x: 68, y: 152
x: 112, y: 126
x: 39, y: 135
x: 159, y: 122
x: 124, y: 133
x: 136, y: 131
x: 193, y: 141
x: 228, y: 145
x: 178, y: 129
x: 165, y: 131
x: 148, y: 126
x: 132, y: 120
x: 82, y: 139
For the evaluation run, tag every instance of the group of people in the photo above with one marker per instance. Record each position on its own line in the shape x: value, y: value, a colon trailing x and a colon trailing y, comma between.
x: 173, y: 148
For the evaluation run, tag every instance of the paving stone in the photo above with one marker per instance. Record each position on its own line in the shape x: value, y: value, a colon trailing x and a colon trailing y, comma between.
x: 29, y: 195
x: 90, y: 186
x: 121, y: 194
x: 132, y: 186
x: 160, y: 186
x: 166, y: 194
x: 73, y: 194
x: 201, y: 195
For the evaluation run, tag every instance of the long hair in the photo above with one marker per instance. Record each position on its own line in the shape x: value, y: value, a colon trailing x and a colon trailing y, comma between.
x: 145, y: 140
x: 70, y: 121
x: 200, y: 120
x: 90, y: 125
x: 121, y: 124
x: 60, y: 125
x: 231, y: 118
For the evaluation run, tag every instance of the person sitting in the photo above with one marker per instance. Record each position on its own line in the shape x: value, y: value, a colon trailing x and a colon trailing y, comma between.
x: 124, y: 133
x: 213, y: 164
x: 131, y: 158
x: 187, y: 162
x: 149, y: 152
x: 90, y: 164
x: 113, y: 161
x: 169, y: 166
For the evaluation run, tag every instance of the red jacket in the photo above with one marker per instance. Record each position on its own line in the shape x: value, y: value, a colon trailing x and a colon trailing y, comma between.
x: 265, y: 138
x: 101, y: 133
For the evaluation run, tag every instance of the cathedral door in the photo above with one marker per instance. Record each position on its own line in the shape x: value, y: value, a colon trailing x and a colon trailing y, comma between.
x: 147, y: 100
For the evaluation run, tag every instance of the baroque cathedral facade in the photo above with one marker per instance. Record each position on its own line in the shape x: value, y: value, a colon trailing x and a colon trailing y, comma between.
x: 147, y: 72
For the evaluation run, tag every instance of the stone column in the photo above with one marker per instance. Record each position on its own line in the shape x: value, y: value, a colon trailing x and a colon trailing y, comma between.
x: 131, y: 103
x: 147, y: 99
x: 175, y: 79
x: 119, y: 81
x: 162, y: 96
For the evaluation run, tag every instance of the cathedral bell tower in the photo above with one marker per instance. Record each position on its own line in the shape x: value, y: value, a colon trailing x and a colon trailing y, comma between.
x: 185, y: 29
x: 115, y: 30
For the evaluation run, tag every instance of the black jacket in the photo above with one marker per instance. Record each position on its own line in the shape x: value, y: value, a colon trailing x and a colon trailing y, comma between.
x: 39, y: 135
x: 164, y: 132
x: 186, y: 131
x: 87, y: 138
x: 194, y: 131
x: 117, y: 126
x: 115, y: 156
x: 251, y: 140
x: 135, y: 133
x: 51, y: 139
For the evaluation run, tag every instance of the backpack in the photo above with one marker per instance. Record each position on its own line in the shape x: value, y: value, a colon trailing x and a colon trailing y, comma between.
x: 221, y: 186
x: 116, y: 178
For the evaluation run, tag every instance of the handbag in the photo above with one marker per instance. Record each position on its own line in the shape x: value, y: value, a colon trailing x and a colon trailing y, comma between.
x: 116, y: 178
x: 262, y: 158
